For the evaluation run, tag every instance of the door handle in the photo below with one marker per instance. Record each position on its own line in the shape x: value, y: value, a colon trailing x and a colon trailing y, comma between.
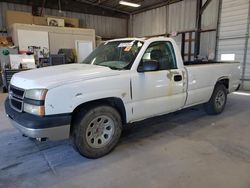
x: 177, y: 78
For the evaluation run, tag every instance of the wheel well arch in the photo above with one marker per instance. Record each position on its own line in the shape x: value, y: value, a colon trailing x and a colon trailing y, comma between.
x: 114, y: 102
x: 224, y: 81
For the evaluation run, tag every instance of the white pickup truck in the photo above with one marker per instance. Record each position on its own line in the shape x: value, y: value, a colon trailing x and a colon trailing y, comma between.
x: 120, y: 82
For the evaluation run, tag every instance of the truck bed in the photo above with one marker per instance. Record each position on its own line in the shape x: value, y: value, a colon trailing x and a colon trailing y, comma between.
x: 200, y: 62
x: 202, y: 77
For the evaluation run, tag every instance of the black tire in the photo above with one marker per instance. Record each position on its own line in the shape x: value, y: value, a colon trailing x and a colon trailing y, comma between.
x: 212, y: 107
x: 82, y: 124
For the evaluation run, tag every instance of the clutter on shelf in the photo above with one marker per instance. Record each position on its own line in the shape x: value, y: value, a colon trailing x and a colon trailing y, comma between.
x: 6, y: 42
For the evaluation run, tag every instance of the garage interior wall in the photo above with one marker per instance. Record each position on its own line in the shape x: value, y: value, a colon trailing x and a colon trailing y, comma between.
x: 233, y: 31
x: 177, y: 17
x: 58, y: 37
x: 106, y: 27
x: 174, y: 17
x: 234, y: 35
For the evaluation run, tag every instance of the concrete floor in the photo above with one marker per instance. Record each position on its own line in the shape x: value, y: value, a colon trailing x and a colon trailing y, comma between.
x: 185, y: 149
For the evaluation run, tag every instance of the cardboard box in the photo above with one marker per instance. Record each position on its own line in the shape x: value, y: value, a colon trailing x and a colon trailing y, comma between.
x: 57, y: 22
x: 39, y: 20
x: 18, y: 17
x: 69, y: 22
x: 27, y: 18
x: 5, y: 41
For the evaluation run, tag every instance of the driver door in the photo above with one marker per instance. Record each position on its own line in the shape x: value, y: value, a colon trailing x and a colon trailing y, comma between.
x: 161, y: 91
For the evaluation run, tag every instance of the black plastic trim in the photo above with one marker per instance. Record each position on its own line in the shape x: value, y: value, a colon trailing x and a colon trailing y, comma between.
x: 34, y: 102
x: 37, y: 122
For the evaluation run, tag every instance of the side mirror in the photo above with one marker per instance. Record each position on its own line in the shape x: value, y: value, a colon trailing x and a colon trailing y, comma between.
x: 149, y: 66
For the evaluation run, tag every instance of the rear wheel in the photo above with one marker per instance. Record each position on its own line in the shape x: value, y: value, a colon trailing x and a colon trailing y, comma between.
x: 97, y: 131
x: 218, y: 100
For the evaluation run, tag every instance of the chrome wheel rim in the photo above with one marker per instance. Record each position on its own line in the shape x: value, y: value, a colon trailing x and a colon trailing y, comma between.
x: 100, y: 131
x: 220, y: 99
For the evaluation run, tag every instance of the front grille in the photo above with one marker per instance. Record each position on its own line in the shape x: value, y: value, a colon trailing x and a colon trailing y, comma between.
x: 16, y: 96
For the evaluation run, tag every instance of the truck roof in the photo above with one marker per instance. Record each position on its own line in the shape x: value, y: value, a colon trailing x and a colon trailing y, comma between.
x: 143, y: 39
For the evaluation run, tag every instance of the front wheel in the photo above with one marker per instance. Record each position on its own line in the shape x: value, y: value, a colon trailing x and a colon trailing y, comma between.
x: 97, y: 131
x: 218, y: 100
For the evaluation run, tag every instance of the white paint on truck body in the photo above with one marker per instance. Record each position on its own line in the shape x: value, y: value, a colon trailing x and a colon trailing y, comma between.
x: 144, y: 95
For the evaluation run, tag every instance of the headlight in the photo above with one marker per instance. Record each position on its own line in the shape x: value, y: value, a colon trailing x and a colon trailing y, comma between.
x: 33, y: 109
x: 34, y: 101
x: 36, y: 94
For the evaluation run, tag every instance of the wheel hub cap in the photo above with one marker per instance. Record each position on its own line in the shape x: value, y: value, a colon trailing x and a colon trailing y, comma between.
x: 220, y: 99
x: 100, y: 131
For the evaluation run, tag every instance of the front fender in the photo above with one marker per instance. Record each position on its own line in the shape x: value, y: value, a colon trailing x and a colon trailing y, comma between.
x: 66, y: 98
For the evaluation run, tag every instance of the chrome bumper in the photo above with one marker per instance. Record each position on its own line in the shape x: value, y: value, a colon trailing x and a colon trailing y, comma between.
x: 53, y: 133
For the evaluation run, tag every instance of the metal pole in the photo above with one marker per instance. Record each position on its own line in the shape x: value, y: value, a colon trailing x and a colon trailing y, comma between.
x: 246, y: 46
x: 198, y: 28
x: 218, y: 29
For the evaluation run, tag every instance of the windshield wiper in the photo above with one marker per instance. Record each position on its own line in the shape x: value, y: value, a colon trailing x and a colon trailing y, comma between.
x: 113, y: 68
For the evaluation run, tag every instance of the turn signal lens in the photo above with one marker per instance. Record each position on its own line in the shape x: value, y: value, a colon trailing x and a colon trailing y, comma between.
x: 33, y: 109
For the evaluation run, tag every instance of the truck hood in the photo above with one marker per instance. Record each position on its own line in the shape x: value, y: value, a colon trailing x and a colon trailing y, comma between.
x: 50, y: 77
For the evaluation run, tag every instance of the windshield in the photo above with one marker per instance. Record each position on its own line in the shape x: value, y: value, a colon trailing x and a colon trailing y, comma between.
x: 118, y: 55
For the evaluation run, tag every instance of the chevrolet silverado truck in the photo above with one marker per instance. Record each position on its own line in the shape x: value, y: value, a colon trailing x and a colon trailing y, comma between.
x: 120, y: 82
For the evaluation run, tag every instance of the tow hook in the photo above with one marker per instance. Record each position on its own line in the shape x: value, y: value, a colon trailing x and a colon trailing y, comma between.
x: 41, y: 139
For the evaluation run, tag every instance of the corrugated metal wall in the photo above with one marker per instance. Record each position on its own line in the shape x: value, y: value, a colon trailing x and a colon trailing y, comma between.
x: 209, y: 21
x: 179, y: 17
x: 234, y: 35
x: 106, y: 27
x: 210, y: 15
x: 182, y: 15
x: 152, y: 22
x: 175, y: 17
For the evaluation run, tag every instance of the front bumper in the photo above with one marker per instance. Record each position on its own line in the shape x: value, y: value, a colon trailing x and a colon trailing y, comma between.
x: 54, y: 127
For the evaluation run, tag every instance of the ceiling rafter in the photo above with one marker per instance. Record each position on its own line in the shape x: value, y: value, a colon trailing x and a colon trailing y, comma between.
x: 74, y: 6
x: 110, y: 8
x: 161, y: 4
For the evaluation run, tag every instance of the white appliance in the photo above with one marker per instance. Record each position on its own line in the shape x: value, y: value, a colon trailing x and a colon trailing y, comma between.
x: 26, y: 61
x: 83, y: 49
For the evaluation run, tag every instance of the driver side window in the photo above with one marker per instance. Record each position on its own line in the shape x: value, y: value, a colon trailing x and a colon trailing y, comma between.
x: 163, y: 53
